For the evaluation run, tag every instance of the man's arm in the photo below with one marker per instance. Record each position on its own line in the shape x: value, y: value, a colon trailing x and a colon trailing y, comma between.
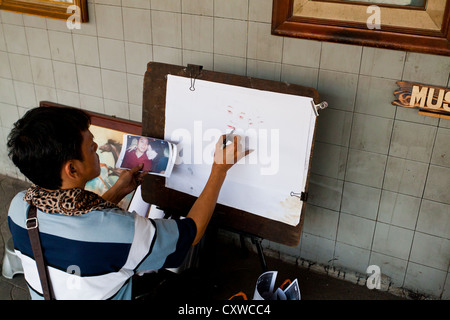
x: 203, y: 208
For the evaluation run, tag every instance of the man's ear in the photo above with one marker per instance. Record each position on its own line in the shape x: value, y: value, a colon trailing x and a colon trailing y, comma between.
x: 69, y: 170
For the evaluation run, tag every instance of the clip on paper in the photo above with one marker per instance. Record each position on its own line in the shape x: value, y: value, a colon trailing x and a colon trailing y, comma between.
x: 303, y: 196
x: 320, y: 106
x: 194, y: 73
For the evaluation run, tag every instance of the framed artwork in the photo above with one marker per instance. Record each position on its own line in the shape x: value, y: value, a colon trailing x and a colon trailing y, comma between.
x: 62, y: 9
x: 409, y: 25
x: 108, y: 133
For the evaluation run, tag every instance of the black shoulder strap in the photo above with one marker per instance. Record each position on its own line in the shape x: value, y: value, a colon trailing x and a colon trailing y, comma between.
x: 33, y: 232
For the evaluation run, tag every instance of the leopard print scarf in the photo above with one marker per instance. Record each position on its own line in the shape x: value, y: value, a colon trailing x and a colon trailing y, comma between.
x: 66, y: 201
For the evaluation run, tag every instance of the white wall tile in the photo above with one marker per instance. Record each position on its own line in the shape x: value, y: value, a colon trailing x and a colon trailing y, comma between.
x: 382, y: 63
x: 264, y: 70
x: 166, y: 29
x: 302, y: 52
x: 25, y: 95
x: 201, y: 7
x: 135, y: 88
x: 262, y: 45
x: 5, y: 69
x: 16, y: 41
x: 68, y: 98
x: 260, y: 10
x: 20, y: 67
x: 317, y: 249
x: 8, y: 115
x: 325, y: 192
x: 321, y: 222
x: 434, y: 218
x: 334, y: 126
x: 426, y: 69
x: 2, y: 39
x: 112, y: 54
x: 398, y: 209
x: 204, y: 59
x: 405, y: 176
x: 236, y: 9
x: 340, y: 57
x: 438, y: 184
x: 137, y: 56
x: 441, y: 150
x: 91, y: 103
x: 430, y: 251
x: 197, y: 33
x: 45, y: 93
x: 118, y: 109
x: 61, y: 46
x: 303, y: 76
x: 109, y: 21
x: 34, y: 21
x: 86, y: 50
x: 351, y: 257
x: 392, y: 240
x: 234, y: 65
x: 167, y: 55
x: 360, y: 200
x: 374, y: 96
x: 338, y: 89
x: 114, y: 86
x: 390, y: 266
x: 65, y: 76
x: 429, y: 280
x: 365, y: 168
x: 412, y: 141
x: 38, y: 43
x: 355, y: 231
x: 371, y: 133
x: 329, y: 160
x: 136, y: 25
x: 89, y: 80
x: 166, y: 5
x: 230, y: 37
x: 42, y: 70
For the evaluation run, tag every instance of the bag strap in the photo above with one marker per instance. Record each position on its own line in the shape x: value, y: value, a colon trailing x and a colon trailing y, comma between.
x: 33, y: 232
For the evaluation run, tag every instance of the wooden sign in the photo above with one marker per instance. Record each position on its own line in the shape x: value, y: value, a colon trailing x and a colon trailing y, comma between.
x: 430, y: 100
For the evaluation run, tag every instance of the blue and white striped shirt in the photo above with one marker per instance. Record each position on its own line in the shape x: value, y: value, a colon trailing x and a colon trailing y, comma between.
x: 94, y: 255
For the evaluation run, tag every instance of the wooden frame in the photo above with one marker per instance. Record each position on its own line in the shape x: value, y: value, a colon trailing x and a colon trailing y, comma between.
x: 347, y: 23
x: 175, y: 203
x: 46, y: 8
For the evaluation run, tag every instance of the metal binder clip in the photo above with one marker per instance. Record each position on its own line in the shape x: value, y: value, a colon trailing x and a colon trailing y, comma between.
x: 303, y: 196
x: 320, y: 106
x: 194, y: 73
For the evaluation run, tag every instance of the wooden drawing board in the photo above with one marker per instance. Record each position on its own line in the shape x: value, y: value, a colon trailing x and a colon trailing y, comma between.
x: 177, y: 203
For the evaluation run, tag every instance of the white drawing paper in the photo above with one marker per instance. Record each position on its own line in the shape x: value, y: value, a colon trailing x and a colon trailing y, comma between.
x: 278, y: 127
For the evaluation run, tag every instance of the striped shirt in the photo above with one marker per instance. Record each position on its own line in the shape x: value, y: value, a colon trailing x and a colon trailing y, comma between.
x: 94, y: 255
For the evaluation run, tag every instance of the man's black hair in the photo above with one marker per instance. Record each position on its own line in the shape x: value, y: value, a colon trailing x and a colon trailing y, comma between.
x: 44, y: 139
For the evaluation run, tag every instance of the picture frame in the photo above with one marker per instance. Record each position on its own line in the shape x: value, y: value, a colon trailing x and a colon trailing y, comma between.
x: 48, y: 8
x: 408, y: 28
x: 108, y: 133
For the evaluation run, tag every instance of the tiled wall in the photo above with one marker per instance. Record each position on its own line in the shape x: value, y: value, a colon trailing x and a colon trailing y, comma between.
x: 380, y: 179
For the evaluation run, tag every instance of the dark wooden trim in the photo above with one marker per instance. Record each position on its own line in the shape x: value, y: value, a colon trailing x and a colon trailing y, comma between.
x: 49, y: 10
x: 101, y: 120
x: 407, y: 39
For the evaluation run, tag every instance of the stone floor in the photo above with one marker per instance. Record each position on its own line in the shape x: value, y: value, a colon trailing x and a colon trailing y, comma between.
x: 230, y: 268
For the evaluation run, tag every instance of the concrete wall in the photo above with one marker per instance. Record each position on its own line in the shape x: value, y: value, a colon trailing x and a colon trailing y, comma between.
x: 380, y: 179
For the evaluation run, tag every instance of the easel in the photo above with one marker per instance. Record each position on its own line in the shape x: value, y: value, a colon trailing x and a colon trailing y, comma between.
x: 177, y: 203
